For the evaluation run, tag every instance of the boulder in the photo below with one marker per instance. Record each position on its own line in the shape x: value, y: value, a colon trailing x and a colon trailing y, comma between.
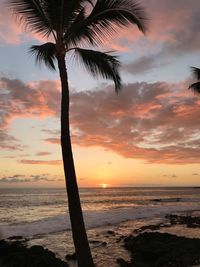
x: 16, y: 253
x: 156, y: 249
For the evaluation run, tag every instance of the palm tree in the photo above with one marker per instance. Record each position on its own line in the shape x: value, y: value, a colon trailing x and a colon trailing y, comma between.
x: 71, y: 23
x: 195, y: 86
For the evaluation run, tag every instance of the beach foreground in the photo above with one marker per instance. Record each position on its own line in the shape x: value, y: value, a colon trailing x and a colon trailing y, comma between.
x: 162, y: 242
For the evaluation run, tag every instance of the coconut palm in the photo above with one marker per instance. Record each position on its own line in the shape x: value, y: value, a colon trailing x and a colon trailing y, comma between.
x: 70, y: 24
x: 195, y: 86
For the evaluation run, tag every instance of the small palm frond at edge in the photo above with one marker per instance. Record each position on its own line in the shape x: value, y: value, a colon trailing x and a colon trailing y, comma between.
x: 45, y: 53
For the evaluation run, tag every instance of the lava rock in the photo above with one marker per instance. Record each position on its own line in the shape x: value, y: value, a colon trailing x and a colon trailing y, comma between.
x: 163, y: 250
x: 16, y: 253
x: 110, y: 232
x: 71, y: 257
x: 189, y: 221
x: 123, y: 263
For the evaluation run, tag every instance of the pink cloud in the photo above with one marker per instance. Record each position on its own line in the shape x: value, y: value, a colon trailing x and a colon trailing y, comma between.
x: 172, y: 26
x: 32, y: 100
x: 173, y: 29
x: 43, y: 153
x: 157, y: 122
x: 12, y: 30
x: 41, y: 162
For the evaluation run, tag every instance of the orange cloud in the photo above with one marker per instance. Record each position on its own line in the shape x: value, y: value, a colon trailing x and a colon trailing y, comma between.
x: 41, y: 162
x: 157, y: 122
x: 38, y: 99
x: 43, y: 153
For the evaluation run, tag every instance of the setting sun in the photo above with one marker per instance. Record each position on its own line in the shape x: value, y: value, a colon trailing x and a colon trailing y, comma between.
x: 104, y: 185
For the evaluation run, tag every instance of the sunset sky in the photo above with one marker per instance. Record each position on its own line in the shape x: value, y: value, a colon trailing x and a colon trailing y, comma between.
x: 147, y: 135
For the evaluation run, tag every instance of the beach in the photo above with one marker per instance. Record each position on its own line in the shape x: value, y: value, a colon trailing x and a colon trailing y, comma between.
x: 111, y: 215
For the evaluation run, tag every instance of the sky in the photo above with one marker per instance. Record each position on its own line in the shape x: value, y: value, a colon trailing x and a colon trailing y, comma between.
x: 147, y: 135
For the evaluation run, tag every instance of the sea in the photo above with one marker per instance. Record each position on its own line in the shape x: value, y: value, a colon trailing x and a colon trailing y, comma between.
x: 41, y: 214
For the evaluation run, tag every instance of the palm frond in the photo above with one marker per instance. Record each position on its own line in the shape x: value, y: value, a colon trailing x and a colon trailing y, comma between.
x: 101, y: 65
x: 105, y: 17
x: 62, y: 13
x: 33, y: 13
x: 196, y: 72
x: 70, y: 36
x: 45, y: 53
x: 195, y: 87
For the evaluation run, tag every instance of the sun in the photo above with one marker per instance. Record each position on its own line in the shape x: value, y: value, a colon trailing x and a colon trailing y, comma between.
x: 103, y: 185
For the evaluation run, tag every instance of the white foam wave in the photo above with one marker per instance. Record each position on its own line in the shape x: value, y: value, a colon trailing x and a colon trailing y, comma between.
x: 92, y: 219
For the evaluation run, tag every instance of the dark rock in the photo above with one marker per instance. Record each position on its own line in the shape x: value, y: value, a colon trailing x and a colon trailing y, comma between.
x: 97, y: 242
x: 17, y: 237
x: 176, y: 199
x: 16, y: 253
x: 71, y: 257
x: 110, y: 232
x: 189, y: 221
x: 153, y: 227
x: 123, y: 263
x: 163, y: 250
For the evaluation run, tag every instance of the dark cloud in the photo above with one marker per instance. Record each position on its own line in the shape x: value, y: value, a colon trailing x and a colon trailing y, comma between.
x: 175, y: 23
x: 141, y: 65
x: 8, y: 141
x: 27, y: 179
x: 173, y: 32
x: 13, y: 180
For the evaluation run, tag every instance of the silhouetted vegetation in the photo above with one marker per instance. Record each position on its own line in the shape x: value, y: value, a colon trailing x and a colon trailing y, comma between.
x: 71, y: 23
x: 195, y: 87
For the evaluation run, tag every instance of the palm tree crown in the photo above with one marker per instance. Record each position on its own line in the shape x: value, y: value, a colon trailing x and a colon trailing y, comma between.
x: 195, y: 86
x: 74, y: 22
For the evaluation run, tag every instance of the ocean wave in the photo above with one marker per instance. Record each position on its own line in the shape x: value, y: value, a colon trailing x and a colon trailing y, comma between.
x: 175, y: 199
x: 92, y: 219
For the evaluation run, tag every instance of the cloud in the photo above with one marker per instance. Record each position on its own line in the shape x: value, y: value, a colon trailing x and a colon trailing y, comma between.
x: 30, y: 100
x: 9, y: 30
x: 13, y: 180
x: 53, y: 140
x: 156, y: 122
x: 40, y: 162
x: 19, y: 178
x: 173, y: 32
x: 170, y: 175
x: 12, y: 29
x: 141, y: 65
x: 172, y: 24
x: 43, y: 153
x: 36, y: 99
x: 9, y: 142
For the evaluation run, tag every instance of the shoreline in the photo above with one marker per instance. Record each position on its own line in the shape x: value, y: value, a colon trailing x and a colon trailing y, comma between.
x: 107, y: 242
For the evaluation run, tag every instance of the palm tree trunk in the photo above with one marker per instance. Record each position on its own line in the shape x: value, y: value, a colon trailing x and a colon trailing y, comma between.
x: 82, y: 248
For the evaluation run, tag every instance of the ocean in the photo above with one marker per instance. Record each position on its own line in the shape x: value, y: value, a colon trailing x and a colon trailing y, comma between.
x: 29, y: 212
x: 41, y: 214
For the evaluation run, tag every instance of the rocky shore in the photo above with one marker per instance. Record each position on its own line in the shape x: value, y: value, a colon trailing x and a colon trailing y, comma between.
x: 148, y: 246
x: 15, y: 253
